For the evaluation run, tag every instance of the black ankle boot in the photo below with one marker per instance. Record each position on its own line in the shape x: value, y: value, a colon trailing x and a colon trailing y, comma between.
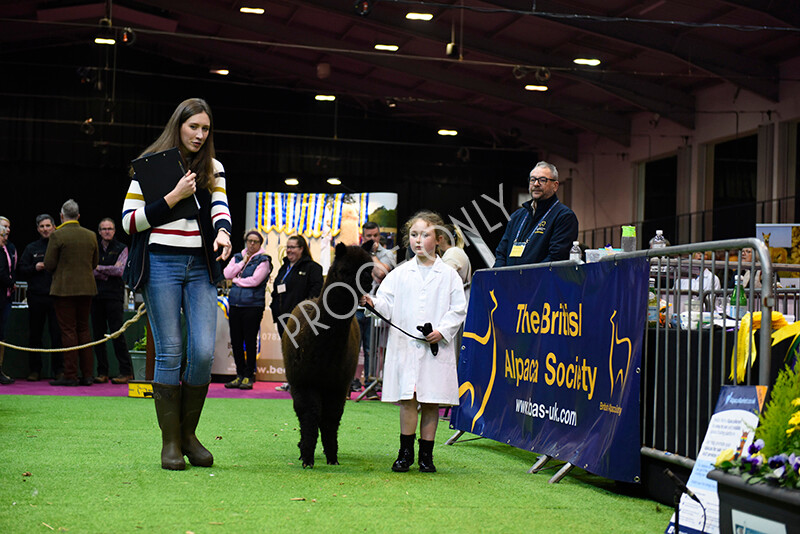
x: 405, y: 456
x: 426, y: 456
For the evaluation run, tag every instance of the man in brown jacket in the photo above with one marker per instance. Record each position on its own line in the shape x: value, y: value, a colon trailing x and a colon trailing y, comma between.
x: 71, y: 256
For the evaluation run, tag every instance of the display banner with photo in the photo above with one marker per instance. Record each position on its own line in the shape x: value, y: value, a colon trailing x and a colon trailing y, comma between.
x: 550, y: 362
x: 731, y: 427
x: 324, y: 220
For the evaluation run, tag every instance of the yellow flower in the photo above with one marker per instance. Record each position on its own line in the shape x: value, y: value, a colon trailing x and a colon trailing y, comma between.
x: 794, y: 420
x: 725, y: 456
x: 796, y: 402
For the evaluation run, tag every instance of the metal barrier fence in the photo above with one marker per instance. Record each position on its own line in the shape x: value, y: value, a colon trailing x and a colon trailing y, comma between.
x: 379, y: 335
x: 20, y: 298
x: 688, y: 347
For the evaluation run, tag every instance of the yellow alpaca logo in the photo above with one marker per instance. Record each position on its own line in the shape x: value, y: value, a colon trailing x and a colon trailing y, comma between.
x: 618, y: 373
x: 483, y: 340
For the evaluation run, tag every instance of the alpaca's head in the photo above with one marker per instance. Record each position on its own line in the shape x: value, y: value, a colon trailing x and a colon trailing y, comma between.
x: 352, y: 266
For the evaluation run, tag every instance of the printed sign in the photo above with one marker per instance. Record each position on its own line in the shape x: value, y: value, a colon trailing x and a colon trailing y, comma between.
x: 550, y: 362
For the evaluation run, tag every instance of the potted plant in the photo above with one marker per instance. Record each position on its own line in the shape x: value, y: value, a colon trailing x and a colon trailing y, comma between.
x: 761, y: 486
x: 139, y: 356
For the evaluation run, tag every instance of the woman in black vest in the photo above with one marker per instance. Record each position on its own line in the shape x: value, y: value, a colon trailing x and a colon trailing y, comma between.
x: 248, y: 271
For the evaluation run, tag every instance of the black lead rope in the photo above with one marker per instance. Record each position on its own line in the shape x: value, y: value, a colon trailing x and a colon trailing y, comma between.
x: 426, y: 329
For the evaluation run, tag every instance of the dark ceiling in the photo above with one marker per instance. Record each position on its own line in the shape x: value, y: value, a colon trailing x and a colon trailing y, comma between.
x: 655, y: 55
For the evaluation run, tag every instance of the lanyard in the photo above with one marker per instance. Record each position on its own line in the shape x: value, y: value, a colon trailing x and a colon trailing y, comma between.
x: 516, y: 239
x: 287, y: 272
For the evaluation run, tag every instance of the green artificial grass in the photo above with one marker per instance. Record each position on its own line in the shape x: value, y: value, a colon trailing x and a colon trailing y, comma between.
x: 91, y: 464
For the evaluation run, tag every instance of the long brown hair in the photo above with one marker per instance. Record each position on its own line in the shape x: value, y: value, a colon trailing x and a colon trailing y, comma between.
x: 202, y: 162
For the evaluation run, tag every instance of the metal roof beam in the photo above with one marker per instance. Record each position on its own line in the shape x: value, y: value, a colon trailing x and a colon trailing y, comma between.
x: 742, y: 71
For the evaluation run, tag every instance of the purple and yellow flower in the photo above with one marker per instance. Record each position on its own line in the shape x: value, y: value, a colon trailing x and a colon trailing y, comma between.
x: 794, y: 462
x: 755, y: 462
x: 756, y: 446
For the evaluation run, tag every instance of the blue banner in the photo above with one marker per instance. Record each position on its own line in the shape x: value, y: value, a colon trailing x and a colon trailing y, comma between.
x: 551, y: 362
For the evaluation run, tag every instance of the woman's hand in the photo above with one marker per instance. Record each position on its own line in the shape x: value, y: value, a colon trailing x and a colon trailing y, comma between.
x: 365, y: 300
x: 434, y: 337
x: 185, y: 188
x: 223, y: 240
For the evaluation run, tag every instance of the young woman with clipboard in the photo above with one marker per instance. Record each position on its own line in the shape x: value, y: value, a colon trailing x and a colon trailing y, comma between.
x: 175, y: 261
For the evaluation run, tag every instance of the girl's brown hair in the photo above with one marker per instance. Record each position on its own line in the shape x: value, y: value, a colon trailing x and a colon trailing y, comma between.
x: 430, y: 217
x: 201, y: 162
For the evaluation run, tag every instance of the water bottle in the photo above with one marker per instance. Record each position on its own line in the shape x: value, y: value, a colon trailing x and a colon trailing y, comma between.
x: 659, y: 241
x: 131, y: 300
x: 575, y: 252
x: 738, y: 303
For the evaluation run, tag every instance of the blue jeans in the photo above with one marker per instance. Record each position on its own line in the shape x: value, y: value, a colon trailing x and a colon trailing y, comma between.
x: 181, y: 281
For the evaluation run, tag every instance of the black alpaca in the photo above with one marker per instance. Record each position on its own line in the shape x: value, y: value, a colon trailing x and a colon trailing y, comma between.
x: 320, y: 356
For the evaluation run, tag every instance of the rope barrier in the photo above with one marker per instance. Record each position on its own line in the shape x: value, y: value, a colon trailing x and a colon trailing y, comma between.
x: 139, y: 312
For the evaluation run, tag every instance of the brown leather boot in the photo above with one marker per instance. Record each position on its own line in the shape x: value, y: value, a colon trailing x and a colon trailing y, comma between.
x: 192, y: 400
x: 168, y: 411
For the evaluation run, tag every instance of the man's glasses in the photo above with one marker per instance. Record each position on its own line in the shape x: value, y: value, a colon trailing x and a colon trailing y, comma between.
x: 541, y: 179
x: 292, y: 246
x: 253, y: 241
x: 106, y: 229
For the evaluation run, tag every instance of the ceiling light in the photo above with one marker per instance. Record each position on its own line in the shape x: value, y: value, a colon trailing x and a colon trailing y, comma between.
x: 325, y: 98
x: 128, y: 36
x: 363, y: 7
x: 334, y: 181
x: 591, y: 62
x: 291, y: 181
x: 447, y: 132
x: 536, y: 88
x: 252, y: 10
x: 221, y: 72
x: 105, y: 36
x: 387, y: 47
x: 419, y: 16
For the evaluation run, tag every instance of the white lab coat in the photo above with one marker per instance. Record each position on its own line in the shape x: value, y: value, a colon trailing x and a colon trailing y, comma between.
x: 408, y: 301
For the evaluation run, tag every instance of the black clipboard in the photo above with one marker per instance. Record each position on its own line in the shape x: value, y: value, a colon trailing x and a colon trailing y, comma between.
x: 157, y: 175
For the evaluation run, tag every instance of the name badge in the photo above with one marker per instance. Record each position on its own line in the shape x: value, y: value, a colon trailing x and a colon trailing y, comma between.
x: 516, y: 250
x: 281, y: 288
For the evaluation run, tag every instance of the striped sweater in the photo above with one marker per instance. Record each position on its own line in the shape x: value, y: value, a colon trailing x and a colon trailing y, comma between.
x: 180, y: 234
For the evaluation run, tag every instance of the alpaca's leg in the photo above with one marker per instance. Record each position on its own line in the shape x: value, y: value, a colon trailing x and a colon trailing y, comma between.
x: 308, y: 407
x: 332, y: 409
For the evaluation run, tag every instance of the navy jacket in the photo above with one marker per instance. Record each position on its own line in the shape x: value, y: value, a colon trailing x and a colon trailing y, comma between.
x: 38, y: 281
x: 250, y: 297
x: 549, y: 239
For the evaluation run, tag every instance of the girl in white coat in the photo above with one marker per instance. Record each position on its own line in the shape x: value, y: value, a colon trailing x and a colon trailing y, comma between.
x: 421, y: 290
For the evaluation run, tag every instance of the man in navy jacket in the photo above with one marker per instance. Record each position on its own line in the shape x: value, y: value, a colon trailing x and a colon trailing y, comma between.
x: 543, y: 229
